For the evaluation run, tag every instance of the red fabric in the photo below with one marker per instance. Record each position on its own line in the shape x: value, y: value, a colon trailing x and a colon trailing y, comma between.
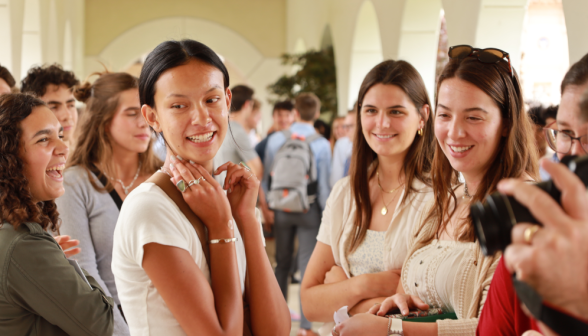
x: 502, y: 314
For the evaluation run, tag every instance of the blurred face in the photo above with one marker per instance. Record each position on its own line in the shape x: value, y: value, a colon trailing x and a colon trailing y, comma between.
x: 349, y: 125
x: 283, y: 119
x: 44, y: 154
x: 128, y: 129
x: 61, y: 101
x: 568, y: 117
x: 338, y: 128
x: 390, y: 120
x: 4, y: 87
x: 191, y: 109
x: 254, y: 119
x: 468, y: 126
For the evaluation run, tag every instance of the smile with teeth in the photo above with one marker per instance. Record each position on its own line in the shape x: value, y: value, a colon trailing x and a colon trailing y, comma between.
x: 460, y: 149
x: 384, y: 136
x: 55, y: 171
x: 201, y: 137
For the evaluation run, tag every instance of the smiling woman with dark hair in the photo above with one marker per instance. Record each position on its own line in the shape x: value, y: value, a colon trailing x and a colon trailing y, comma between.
x: 41, y: 293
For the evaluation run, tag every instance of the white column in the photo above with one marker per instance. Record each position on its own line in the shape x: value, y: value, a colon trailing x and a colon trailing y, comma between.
x: 575, y: 12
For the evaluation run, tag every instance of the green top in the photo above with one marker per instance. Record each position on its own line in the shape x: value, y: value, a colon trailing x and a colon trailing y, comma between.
x: 41, y: 293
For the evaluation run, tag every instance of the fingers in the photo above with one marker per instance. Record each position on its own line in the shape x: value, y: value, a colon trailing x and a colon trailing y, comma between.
x: 386, y: 306
x: 181, y: 172
x: 69, y: 244
x: 238, y: 174
x: 418, y: 303
x: 516, y: 259
x: 402, y: 304
x: 573, y: 191
x: 72, y: 252
x: 374, y: 309
x: 539, y: 203
x: 518, y: 233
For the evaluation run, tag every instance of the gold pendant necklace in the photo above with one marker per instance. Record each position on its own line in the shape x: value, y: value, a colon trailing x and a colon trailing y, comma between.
x: 384, y: 211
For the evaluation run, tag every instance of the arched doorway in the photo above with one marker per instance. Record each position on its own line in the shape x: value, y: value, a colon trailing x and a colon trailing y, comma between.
x: 366, y: 49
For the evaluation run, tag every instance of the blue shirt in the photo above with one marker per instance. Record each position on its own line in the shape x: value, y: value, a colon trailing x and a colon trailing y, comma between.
x: 342, y: 152
x: 321, y: 148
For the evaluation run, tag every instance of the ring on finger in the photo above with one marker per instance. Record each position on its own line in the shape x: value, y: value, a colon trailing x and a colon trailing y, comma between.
x: 244, y: 166
x: 530, y: 232
x: 334, y: 332
x: 249, y: 176
x: 182, y: 186
x: 196, y: 181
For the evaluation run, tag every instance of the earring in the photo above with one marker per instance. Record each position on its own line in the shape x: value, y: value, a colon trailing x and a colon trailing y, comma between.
x: 420, y: 132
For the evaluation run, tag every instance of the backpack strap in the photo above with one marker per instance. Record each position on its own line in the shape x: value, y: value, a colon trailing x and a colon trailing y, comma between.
x: 162, y: 181
x: 102, y: 178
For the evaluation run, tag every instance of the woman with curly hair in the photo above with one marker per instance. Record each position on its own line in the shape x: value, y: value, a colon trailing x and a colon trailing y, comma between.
x: 41, y: 292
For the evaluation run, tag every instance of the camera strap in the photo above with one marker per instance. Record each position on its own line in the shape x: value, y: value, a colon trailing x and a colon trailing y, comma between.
x: 557, y: 320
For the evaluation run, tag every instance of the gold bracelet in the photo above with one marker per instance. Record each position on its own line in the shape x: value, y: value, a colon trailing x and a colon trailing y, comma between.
x: 223, y: 241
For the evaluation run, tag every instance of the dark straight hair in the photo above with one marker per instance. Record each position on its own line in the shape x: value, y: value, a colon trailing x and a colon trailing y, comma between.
x: 417, y: 162
x: 171, y: 54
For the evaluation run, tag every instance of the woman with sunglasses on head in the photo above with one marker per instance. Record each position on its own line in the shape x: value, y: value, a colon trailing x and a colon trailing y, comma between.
x: 112, y: 157
x: 365, y: 229
x: 189, y: 256
x: 483, y: 133
x: 41, y: 292
x: 503, y: 315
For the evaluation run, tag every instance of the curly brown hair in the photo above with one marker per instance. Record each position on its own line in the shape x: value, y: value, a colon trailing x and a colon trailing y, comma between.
x: 38, y: 78
x: 16, y: 202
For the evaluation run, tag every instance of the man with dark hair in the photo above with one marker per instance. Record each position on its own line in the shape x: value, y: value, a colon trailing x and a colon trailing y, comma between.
x: 549, y: 114
x: 306, y: 224
x: 7, y: 82
x: 55, y: 87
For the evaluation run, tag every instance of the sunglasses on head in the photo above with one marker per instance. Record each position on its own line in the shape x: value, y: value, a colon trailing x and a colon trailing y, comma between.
x: 487, y: 55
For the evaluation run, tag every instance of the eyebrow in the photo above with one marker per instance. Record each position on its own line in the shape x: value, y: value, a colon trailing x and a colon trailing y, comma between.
x: 390, y: 107
x: 132, y: 109
x: 185, y: 96
x: 471, y: 109
x: 563, y: 123
x: 46, y: 131
x: 53, y: 102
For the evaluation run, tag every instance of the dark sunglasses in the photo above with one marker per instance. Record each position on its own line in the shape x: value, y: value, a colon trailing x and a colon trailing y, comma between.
x: 487, y: 55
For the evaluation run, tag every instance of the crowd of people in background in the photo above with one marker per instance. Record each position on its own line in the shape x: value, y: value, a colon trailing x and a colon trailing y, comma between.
x: 147, y: 211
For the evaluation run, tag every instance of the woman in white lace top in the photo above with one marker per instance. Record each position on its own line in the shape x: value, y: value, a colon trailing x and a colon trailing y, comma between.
x: 364, y: 233
x: 483, y: 133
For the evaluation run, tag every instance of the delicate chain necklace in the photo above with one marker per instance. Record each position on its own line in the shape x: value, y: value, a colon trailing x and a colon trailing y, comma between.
x: 126, y: 188
x: 385, y: 208
x: 466, y: 194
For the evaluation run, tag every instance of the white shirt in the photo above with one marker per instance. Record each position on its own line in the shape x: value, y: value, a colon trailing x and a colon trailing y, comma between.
x: 148, y: 215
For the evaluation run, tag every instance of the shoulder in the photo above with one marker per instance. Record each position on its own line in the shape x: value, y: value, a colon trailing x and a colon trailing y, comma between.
x: 77, y: 175
x: 27, y: 242
x: 340, y: 192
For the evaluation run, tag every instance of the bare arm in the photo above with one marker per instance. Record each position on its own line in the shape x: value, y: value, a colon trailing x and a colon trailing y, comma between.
x: 269, y: 311
x: 320, y: 300
x: 198, y: 307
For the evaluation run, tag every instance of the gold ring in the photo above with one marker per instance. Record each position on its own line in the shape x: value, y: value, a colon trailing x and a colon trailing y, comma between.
x: 530, y: 232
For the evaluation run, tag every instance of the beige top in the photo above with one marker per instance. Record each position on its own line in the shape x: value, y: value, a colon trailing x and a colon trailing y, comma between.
x: 455, y: 277
x: 339, y: 214
x: 337, y: 224
x: 367, y: 257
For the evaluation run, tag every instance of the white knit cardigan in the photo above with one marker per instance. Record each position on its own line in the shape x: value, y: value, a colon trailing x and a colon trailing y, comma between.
x: 469, y: 307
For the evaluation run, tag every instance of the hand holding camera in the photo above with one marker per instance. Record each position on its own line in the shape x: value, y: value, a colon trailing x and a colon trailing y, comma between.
x: 553, y: 259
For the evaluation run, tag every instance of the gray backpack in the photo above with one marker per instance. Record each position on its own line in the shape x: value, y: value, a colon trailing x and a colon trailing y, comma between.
x: 293, y: 183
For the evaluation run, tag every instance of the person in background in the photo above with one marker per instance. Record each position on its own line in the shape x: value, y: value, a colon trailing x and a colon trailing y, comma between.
x: 366, y: 225
x: 283, y: 117
x: 322, y: 128
x: 42, y: 293
x: 304, y: 225
x: 253, y: 122
x: 549, y: 114
x: 55, y: 87
x: 7, y: 82
x: 237, y: 147
x: 113, y: 156
x: 343, y: 149
x: 536, y: 114
x: 502, y: 315
x: 337, y: 131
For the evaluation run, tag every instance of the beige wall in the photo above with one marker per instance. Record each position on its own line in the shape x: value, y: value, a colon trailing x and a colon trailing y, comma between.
x: 262, y: 22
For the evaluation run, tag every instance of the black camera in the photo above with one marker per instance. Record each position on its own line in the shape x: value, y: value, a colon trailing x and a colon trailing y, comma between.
x: 494, y: 219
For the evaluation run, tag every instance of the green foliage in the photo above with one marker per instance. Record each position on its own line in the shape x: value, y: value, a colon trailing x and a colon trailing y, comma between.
x: 316, y: 74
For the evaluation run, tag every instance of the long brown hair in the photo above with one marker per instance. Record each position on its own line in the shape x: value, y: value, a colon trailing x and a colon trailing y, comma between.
x: 417, y: 162
x: 16, y: 202
x: 94, y: 143
x: 517, y: 153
